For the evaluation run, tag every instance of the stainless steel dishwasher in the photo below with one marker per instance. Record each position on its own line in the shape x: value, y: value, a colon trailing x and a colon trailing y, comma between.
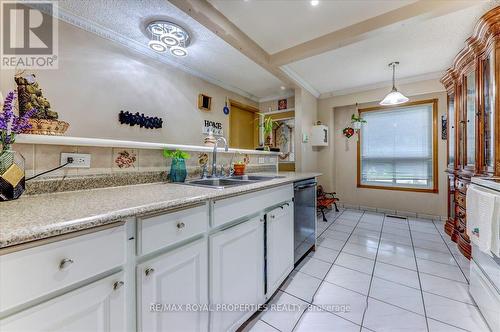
x: 304, y: 217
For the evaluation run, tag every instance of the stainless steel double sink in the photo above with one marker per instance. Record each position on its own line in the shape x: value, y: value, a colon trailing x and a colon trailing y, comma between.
x: 233, y: 181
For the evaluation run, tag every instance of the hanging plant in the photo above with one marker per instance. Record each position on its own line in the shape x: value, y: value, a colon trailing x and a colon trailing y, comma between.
x: 357, y: 121
x: 348, y: 132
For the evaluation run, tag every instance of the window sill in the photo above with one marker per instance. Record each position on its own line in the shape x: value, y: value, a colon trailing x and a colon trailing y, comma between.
x: 417, y: 190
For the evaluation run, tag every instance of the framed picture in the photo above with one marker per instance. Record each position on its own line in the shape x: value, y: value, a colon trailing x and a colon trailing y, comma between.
x: 282, y: 105
x: 204, y: 102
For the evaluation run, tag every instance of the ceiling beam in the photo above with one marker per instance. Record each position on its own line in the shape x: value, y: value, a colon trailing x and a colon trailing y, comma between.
x: 208, y: 16
x: 417, y: 11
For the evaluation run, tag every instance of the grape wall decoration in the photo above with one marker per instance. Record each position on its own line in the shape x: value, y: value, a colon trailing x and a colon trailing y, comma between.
x: 140, y: 120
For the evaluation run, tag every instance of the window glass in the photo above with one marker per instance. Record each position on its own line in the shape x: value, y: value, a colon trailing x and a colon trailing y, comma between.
x: 471, y: 119
x: 396, y: 147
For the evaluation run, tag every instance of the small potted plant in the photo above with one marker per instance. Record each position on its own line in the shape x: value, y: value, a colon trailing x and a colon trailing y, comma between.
x: 240, y: 165
x: 267, y: 129
x: 12, y: 176
x: 357, y: 121
x: 178, y: 170
x: 239, y: 168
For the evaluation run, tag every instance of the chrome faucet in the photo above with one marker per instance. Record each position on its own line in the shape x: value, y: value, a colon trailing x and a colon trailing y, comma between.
x: 214, y: 155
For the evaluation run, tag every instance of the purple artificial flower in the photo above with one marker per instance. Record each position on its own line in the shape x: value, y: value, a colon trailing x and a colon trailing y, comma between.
x: 21, y: 123
x: 11, y: 124
x: 6, y: 115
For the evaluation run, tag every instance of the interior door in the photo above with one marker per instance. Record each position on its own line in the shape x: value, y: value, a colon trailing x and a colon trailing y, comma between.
x: 237, y: 273
x: 97, y: 307
x: 175, y: 279
x: 280, y: 249
x: 243, y: 130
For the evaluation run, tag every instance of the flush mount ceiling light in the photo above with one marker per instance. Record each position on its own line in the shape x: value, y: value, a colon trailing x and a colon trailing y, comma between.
x: 314, y: 2
x: 167, y: 36
x: 394, y: 97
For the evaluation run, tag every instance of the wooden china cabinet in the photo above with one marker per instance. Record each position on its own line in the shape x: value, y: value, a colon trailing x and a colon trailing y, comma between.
x: 473, y: 120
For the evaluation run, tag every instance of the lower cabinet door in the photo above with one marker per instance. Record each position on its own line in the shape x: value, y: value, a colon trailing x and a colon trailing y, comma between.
x: 97, y: 307
x: 237, y: 274
x: 279, y: 246
x: 173, y: 288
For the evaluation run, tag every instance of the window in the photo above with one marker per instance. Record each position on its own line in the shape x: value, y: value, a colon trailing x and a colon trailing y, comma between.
x: 398, y: 147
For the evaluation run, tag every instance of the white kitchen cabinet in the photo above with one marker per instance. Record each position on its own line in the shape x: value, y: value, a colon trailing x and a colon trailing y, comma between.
x: 237, y: 273
x: 176, y: 279
x: 279, y: 244
x: 99, y: 306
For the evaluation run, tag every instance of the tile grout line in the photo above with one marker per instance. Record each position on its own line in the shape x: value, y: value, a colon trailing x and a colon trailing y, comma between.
x: 446, y: 244
x: 274, y: 327
x: 418, y: 275
x: 373, y: 273
x: 402, y: 267
x: 323, y: 279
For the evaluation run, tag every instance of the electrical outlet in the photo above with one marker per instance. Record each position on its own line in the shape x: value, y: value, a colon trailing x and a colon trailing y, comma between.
x: 80, y: 160
x: 262, y: 160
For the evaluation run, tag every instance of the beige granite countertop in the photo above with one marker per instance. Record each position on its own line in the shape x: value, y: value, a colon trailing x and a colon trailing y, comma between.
x: 38, y: 217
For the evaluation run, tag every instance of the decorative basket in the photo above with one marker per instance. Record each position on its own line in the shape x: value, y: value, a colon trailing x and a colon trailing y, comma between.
x: 12, y: 176
x: 47, y: 127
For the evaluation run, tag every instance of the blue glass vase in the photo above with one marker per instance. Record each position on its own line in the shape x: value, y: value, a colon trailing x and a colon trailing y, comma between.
x: 178, y: 171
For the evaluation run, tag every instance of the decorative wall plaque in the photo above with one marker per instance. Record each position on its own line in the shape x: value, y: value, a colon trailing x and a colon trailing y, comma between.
x: 140, y: 120
x: 216, y: 127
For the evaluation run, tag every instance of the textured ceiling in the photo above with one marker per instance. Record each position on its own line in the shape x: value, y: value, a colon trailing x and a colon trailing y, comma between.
x: 422, y: 48
x: 279, y: 24
x: 209, y: 56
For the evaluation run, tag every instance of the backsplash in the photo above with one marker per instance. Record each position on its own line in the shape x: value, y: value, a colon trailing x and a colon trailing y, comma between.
x: 119, y: 166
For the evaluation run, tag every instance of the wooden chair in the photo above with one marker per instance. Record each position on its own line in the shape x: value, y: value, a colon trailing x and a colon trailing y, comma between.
x: 325, y: 201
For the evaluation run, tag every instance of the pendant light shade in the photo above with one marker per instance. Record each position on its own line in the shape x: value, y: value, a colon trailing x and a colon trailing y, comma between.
x: 394, y: 97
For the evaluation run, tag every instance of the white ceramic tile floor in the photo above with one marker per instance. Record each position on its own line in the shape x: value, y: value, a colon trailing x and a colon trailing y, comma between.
x: 391, y: 275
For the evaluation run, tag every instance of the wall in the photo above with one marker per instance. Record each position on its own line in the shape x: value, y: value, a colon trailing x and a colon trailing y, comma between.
x: 273, y: 104
x: 306, y: 114
x: 98, y: 78
x: 339, y: 164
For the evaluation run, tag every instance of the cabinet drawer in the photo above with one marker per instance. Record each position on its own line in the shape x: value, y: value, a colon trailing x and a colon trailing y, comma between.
x: 233, y: 208
x: 461, y: 186
x: 460, y: 199
x: 460, y: 212
x: 159, y: 231
x: 28, y: 274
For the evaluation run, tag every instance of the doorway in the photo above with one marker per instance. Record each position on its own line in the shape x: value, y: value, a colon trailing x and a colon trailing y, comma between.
x: 243, y: 126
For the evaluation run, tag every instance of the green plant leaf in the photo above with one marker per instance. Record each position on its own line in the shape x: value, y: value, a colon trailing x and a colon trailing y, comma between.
x: 177, y: 154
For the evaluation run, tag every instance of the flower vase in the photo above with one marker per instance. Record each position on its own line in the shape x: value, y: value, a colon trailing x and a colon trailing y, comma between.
x: 178, y: 170
x: 12, y: 175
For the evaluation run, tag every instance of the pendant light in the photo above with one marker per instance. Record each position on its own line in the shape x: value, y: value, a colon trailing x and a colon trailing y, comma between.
x: 394, y: 97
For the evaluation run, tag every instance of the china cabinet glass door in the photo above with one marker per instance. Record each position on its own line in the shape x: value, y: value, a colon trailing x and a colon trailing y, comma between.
x: 470, y: 127
x: 488, y: 115
x: 451, y: 131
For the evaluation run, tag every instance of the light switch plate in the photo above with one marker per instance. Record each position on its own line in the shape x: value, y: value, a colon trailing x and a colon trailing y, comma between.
x: 80, y: 160
x: 305, y: 138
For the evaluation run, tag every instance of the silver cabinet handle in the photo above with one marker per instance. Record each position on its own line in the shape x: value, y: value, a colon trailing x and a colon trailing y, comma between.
x: 118, y: 284
x: 65, y: 263
x: 305, y: 186
x: 180, y: 225
x: 148, y: 271
x: 283, y: 206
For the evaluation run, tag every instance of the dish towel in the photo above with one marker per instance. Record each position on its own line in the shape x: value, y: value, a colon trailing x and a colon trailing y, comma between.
x: 483, y: 218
